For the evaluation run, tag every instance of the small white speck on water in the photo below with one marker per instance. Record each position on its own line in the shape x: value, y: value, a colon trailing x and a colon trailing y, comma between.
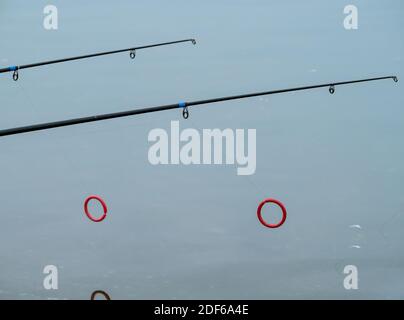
x: 355, y: 246
x: 355, y: 226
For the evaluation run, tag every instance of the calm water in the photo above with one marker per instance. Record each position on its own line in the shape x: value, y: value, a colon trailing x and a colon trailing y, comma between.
x: 179, y: 232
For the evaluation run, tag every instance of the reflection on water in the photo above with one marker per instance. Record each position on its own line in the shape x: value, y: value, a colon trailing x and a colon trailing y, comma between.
x: 100, y: 293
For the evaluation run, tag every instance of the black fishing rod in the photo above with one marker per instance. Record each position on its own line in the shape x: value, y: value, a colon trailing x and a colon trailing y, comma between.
x: 132, y: 54
x: 182, y: 105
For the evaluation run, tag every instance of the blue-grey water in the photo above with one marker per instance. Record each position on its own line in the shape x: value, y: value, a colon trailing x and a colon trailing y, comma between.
x: 190, y: 232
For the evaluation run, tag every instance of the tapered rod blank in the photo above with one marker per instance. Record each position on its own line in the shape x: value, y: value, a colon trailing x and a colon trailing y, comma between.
x: 131, y: 50
x: 181, y: 105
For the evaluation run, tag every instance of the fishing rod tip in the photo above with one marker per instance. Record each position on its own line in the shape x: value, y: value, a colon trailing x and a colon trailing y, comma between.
x: 193, y: 41
x: 395, y: 79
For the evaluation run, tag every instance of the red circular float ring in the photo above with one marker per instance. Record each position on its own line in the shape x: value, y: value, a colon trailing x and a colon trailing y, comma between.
x: 104, y: 206
x: 280, y: 204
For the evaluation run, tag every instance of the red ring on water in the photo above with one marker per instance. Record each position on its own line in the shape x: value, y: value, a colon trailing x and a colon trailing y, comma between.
x: 104, y: 206
x: 280, y: 204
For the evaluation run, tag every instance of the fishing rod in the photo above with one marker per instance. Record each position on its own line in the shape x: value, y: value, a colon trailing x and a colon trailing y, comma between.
x: 182, y: 105
x: 132, y: 54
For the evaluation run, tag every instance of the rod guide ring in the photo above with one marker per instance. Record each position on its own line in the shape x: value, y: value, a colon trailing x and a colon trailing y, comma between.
x: 185, y: 113
x: 15, y: 75
x: 132, y: 54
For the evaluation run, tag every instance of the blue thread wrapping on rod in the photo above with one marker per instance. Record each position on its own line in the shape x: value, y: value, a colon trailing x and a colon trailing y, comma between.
x: 185, y: 105
x: 92, y: 55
